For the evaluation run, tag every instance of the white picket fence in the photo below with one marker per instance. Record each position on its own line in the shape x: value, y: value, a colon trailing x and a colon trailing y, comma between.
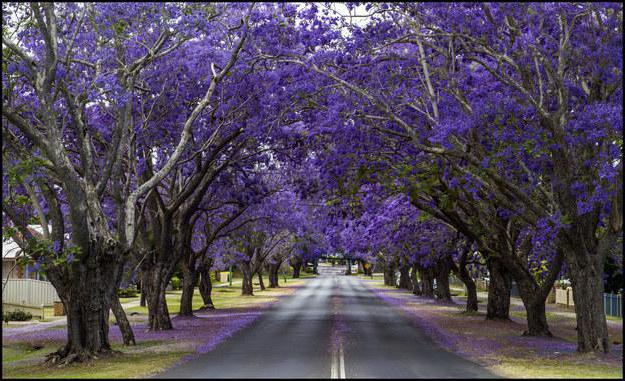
x: 28, y: 292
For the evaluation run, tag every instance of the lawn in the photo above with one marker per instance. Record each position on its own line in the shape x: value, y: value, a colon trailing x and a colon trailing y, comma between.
x: 228, y: 297
x: 21, y: 360
x: 22, y: 356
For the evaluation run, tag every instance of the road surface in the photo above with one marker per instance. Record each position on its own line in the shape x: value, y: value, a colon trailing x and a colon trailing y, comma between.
x: 300, y: 338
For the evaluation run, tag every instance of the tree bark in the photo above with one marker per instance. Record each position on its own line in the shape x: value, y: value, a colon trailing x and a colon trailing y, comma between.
x: 87, y: 297
x: 247, y: 287
x: 158, y: 313
x: 142, y: 301
x: 465, y: 278
x: 348, y: 267
x: 189, y: 281
x: 122, y: 321
x: 498, y: 290
x: 389, y: 274
x: 273, y: 275
x: 297, y: 266
x: 427, y: 282
x: 404, y: 277
x: 206, y: 288
x: 587, y: 285
x: 415, y: 282
x: 260, y: 280
x: 442, y: 271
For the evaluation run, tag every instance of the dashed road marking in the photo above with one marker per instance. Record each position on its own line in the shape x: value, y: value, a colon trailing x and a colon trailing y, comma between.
x: 341, y: 362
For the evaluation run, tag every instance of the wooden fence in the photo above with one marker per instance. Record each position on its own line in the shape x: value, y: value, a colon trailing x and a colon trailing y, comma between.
x: 28, y: 292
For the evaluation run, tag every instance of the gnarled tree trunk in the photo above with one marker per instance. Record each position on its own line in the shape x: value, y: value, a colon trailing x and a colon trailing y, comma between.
x: 206, y: 288
x: 463, y: 274
x: 189, y: 281
x: 586, y: 272
x: 157, y: 277
x: 404, y: 277
x: 296, y: 263
x: 427, y: 282
x: 142, y: 301
x: 415, y: 282
x: 247, y: 288
x: 443, y: 268
x: 125, y: 328
x: 389, y: 274
x: 273, y: 274
x: 260, y: 280
x: 87, y: 297
x: 498, y: 290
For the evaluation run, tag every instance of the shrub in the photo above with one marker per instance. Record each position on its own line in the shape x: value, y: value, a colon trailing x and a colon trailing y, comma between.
x: 129, y: 292
x: 17, y: 315
x: 175, y: 283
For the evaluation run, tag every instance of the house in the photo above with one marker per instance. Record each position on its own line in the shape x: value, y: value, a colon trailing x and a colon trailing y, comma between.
x: 10, y: 252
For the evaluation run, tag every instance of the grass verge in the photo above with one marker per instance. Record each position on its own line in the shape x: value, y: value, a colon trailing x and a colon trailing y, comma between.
x: 500, y: 347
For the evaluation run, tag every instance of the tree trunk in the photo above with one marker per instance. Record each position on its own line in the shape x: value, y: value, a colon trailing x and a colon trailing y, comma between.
x: 247, y: 287
x: 348, y: 267
x: 142, y: 301
x: 443, y: 269
x: 273, y: 274
x: 427, y: 282
x: 536, y: 316
x: 315, y: 267
x: 87, y: 297
x: 189, y: 280
x: 498, y: 290
x: 415, y: 283
x: 404, y: 278
x: 158, y: 313
x: 389, y: 274
x: 367, y: 268
x: 297, y: 266
x: 206, y: 288
x: 463, y: 274
x: 465, y: 278
x: 122, y: 321
x: 592, y: 329
x: 260, y: 280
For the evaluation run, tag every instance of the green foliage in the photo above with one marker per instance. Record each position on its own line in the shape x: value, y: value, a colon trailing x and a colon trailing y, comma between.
x: 17, y: 315
x: 129, y: 292
x: 18, y: 172
x: 175, y: 283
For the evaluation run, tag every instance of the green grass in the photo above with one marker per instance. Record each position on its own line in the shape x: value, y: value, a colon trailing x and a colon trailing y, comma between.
x: 523, y: 315
x: 554, y: 368
x: 21, y: 360
x: 134, y: 364
x: 226, y: 297
x: 613, y: 318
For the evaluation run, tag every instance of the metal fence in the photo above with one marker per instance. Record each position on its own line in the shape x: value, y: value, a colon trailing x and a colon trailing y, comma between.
x: 28, y: 292
x: 613, y: 304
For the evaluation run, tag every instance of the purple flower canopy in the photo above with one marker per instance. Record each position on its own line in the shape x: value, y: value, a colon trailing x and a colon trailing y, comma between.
x: 286, y: 130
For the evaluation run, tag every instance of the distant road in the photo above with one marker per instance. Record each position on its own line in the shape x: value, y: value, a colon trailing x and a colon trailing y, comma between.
x: 295, y: 340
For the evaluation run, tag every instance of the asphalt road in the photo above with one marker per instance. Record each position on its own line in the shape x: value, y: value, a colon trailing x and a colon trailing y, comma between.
x: 299, y: 338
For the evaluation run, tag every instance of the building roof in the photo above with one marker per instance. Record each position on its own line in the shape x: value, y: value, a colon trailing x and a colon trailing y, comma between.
x: 10, y: 248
